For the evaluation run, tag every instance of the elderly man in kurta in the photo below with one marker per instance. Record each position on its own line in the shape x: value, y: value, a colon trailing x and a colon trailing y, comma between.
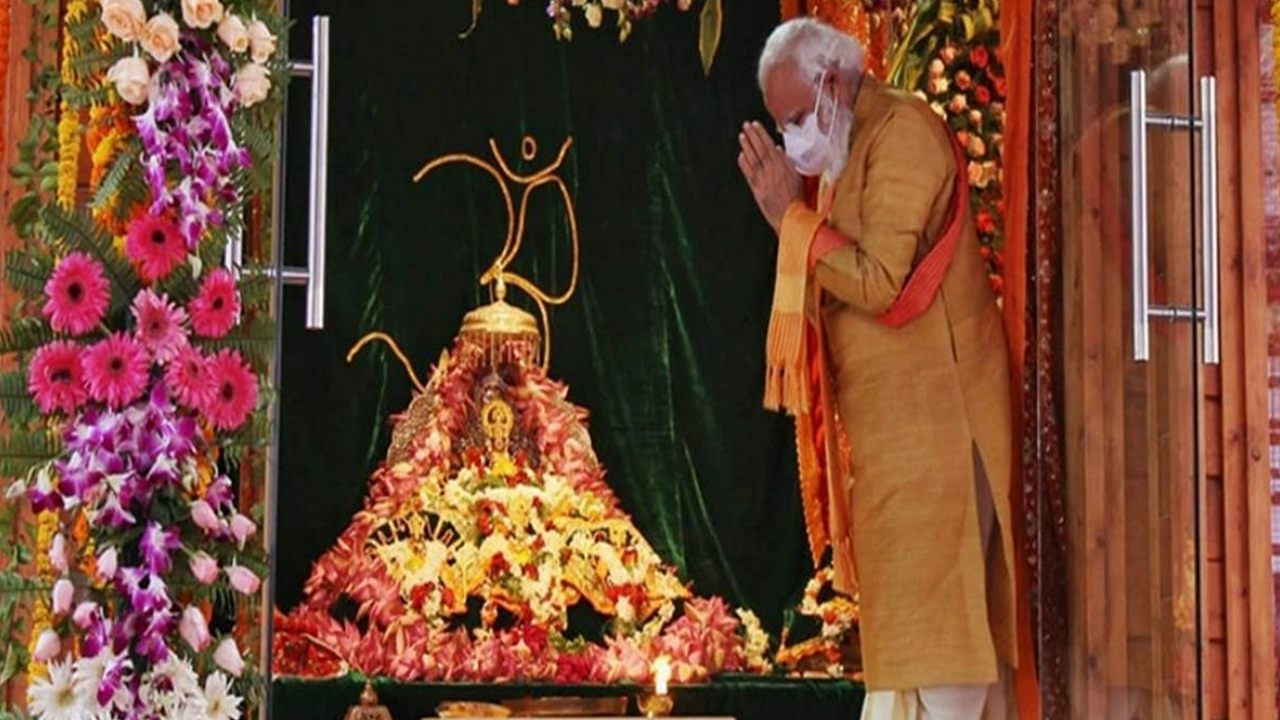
x: 886, y: 344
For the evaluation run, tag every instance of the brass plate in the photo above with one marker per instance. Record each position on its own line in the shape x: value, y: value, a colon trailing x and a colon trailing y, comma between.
x: 568, y: 706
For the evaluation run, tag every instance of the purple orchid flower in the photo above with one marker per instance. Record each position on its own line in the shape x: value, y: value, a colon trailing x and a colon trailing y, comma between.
x: 147, y: 592
x: 157, y: 545
x: 152, y: 642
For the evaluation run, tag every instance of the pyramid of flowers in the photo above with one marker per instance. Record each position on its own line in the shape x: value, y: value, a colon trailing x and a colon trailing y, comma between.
x: 492, y: 499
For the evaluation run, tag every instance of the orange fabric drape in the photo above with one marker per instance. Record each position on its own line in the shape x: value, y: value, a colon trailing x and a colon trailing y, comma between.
x: 1015, y: 46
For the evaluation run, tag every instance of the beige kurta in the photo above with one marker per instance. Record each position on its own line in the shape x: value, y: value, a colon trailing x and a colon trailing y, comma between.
x: 916, y: 402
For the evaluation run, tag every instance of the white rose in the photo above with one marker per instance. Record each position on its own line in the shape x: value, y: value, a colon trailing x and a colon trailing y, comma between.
x: 594, y: 15
x: 131, y: 78
x: 233, y: 33
x: 201, y: 13
x: 124, y: 18
x: 160, y: 37
x: 253, y: 84
x: 261, y: 41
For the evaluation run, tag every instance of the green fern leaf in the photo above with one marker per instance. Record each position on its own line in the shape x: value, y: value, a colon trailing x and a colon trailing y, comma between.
x: 77, y: 231
x: 26, y: 272
x: 15, y: 401
x: 24, y: 335
x: 112, y: 181
x: 257, y: 346
x: 81, y: 97
x: 23, y: 451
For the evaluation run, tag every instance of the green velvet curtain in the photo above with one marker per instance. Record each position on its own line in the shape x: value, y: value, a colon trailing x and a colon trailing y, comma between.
x: 662, y: 343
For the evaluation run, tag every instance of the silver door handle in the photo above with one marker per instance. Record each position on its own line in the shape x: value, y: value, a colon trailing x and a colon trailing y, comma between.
x: 312, y: 277
x: 1209, y: 219
x: 1138, y: 181
x: 1140, y: 121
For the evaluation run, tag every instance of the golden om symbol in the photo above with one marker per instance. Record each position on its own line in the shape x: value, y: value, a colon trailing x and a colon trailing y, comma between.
x: 497, y: 276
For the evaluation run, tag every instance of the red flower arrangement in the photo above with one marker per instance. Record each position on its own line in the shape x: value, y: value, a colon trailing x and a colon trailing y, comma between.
x: 966, y: 86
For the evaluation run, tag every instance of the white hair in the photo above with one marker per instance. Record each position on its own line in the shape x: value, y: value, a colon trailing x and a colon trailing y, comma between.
x: 815, y: 47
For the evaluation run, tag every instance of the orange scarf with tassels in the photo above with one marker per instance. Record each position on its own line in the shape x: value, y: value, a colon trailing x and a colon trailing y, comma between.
x: 796, y: 376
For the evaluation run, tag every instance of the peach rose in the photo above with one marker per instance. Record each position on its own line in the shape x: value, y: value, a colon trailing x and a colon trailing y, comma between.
x: 977, y: 148
x: 160, y: 37
x: 936, y: 68
x: 959, y: 103
x: 938, y: 85
x: 201, y: 14
x: 131, y: 78
x: 124, y: 18
x: 976, y: 175
x: 595, y: 14
x: 233, y: 33
x: 262, y: 43
x: 253, y: 84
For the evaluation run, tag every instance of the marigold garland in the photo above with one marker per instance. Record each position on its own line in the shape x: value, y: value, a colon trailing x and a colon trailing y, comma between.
x: 69, y: 131
x: 46, y: 528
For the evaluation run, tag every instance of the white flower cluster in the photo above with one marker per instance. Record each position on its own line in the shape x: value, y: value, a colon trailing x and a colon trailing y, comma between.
x: 160, y: 37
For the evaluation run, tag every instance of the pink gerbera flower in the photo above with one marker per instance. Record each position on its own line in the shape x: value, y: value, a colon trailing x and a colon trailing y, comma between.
x: 216, y: 309
x: 236, y: 390
x: 155, y: 245
x: 56, y: 379
x: 189, y: 380
x: 115, y: 370
x: 78, y: 294
x: 160, y: 325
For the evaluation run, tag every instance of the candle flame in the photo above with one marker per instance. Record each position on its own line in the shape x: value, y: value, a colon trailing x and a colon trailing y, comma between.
x: 661, y: 675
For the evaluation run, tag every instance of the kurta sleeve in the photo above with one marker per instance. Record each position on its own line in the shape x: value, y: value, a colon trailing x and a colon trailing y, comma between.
x: 908, y: 167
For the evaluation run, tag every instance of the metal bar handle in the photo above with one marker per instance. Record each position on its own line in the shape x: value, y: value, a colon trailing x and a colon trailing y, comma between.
x: 1138, y: 183
x: 313, y: 275
x: 319, y: 177
x: 1209, y: 219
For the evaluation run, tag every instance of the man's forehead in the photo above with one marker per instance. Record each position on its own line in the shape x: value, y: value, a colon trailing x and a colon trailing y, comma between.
x: 786, y: 91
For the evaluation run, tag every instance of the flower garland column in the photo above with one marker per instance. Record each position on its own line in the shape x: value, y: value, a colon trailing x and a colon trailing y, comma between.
x: 68, y: 116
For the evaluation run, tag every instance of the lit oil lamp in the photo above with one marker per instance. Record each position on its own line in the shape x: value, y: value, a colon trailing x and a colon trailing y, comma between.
x: 658, y: 703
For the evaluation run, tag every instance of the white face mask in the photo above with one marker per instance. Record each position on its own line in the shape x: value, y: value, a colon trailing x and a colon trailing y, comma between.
x: 811, y: 150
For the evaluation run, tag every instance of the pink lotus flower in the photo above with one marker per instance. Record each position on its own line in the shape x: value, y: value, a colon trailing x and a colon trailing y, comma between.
x: 48, y: 647
x: 77, y: 293
x: 115, y: 370
x: 194, y: 629
x: 58, y: 553
x: 62, y: 594
x: 204, y: 568
x: 205, y: 518
x: 159, y: 327
x: 56, y: 378
x: 242, y: 528
x: 236, y: 392
x: 227, y: 657
x: 243, y: 580
x: 188, y: 379
x: 84, y: 615
x: 216, y: 309
x: 106, y: 565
